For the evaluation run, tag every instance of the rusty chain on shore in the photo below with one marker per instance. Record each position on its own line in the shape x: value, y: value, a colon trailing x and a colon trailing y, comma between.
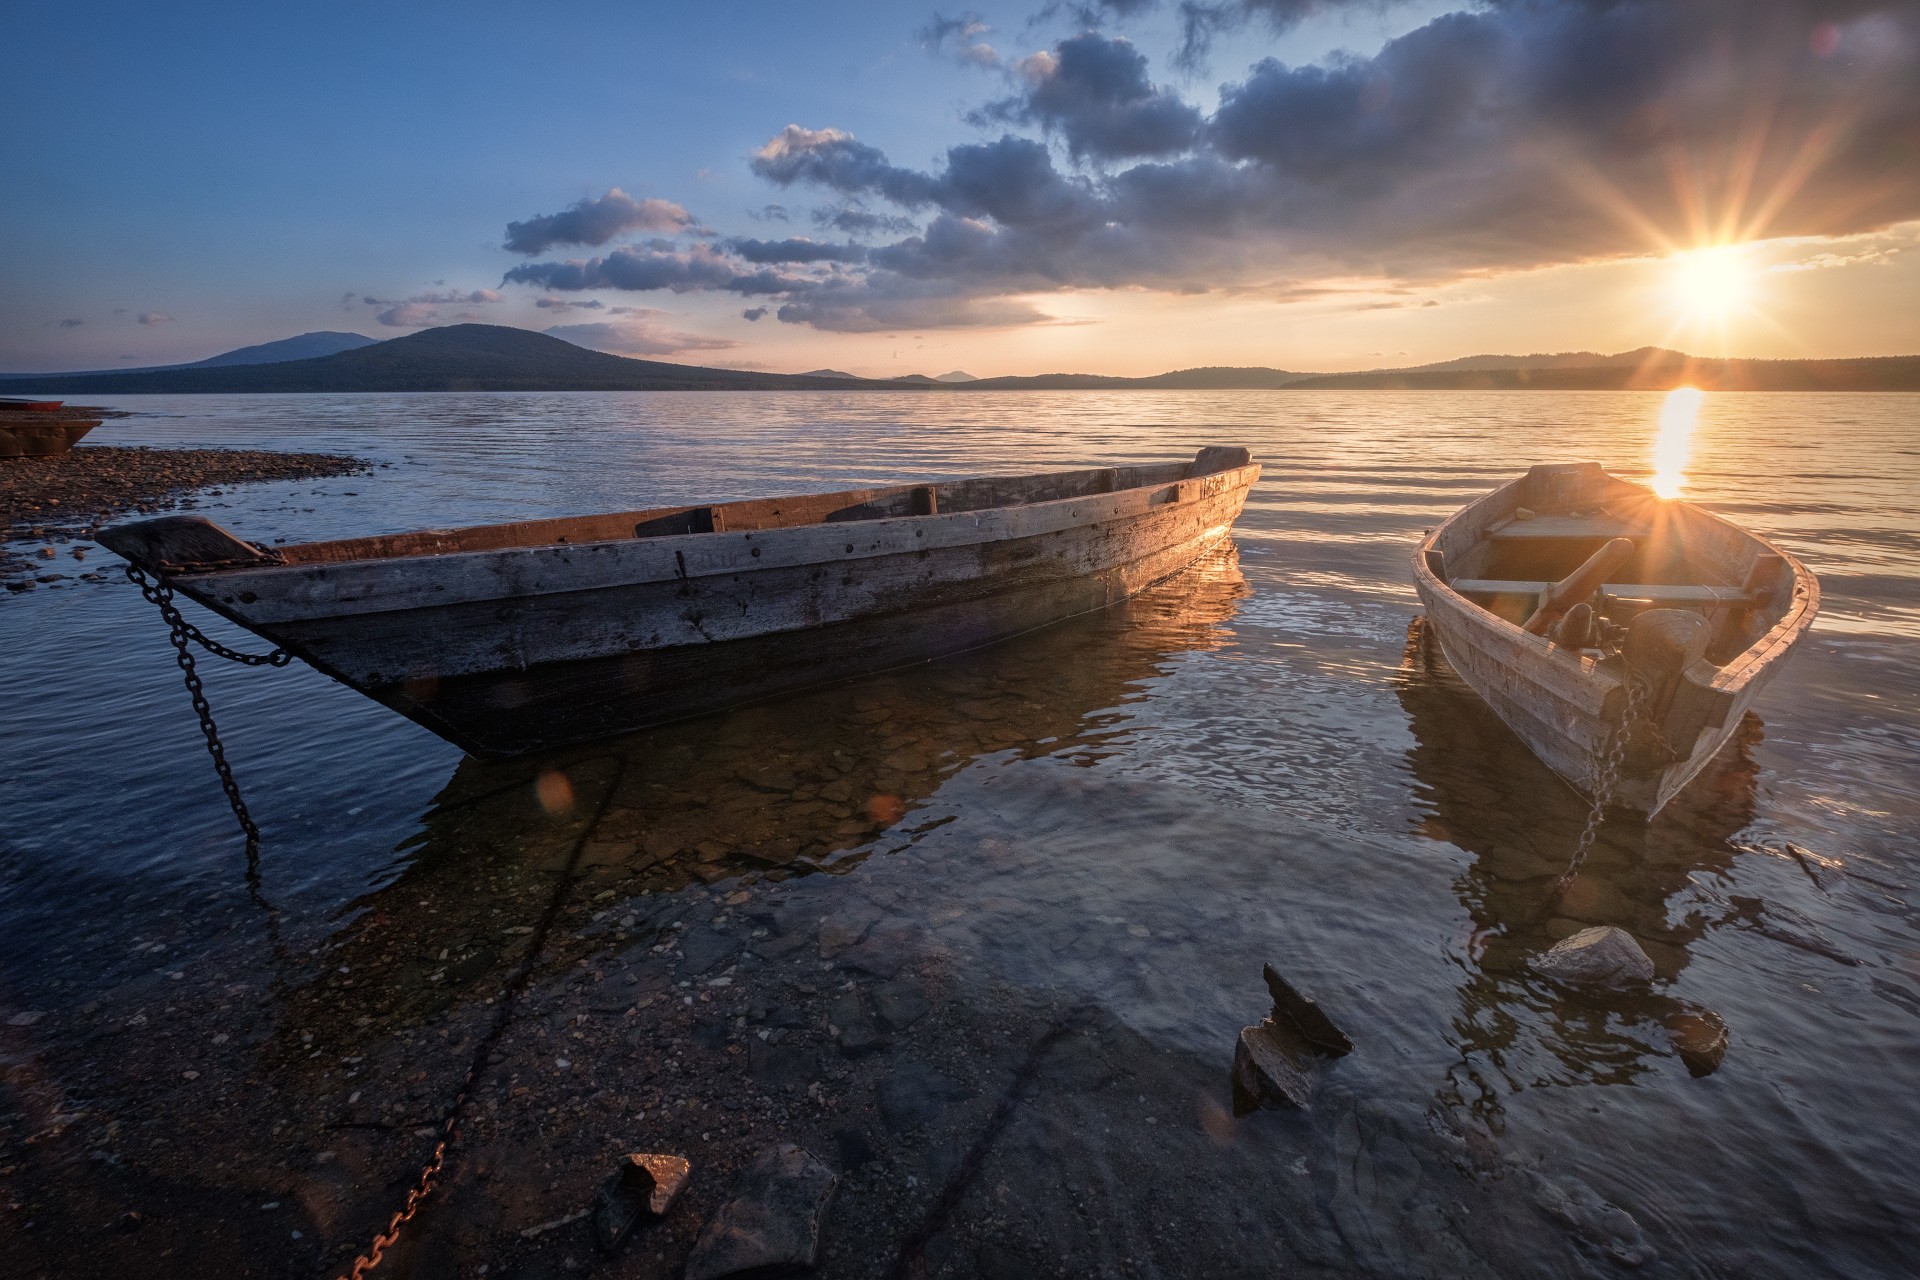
x: 181, y: 633
x: 509, y: 994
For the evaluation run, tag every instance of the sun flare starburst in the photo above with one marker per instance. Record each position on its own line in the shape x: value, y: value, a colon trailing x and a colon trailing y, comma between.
x: 1715, y: 284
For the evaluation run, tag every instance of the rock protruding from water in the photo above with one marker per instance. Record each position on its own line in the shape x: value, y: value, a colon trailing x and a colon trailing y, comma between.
x: 1269, y: 1071
x: 1699, y: 1036
x: 1271, y: 1059
x: 1306, y: 1016
x: 773, y: 1222
x: 1601, y: 956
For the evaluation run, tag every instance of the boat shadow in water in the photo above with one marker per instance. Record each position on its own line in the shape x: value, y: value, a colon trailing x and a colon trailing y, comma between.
x: 1479, y: 788
x: 811, y: 784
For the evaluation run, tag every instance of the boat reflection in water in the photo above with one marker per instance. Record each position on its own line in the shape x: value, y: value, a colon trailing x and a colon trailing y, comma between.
x: 807, y: 784
x: 1482, y: 790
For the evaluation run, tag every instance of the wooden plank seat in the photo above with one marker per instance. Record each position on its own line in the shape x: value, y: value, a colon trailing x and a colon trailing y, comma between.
x: 1669, y: 595
x: 1598, y: 528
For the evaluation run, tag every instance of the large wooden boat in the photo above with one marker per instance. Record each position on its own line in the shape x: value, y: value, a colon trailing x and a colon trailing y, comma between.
x: 1599, y: 620
x: 516, y: 637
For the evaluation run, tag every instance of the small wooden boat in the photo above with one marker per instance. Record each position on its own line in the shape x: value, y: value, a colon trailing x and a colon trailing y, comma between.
x: 517, y: 637
x: 1598, y: 621
x: 42, y: 428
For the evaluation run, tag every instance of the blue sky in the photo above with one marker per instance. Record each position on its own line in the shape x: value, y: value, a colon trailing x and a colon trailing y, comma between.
x: 233, y: 173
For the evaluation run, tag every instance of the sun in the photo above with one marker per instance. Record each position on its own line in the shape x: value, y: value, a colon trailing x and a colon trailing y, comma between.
x: 1714, y: 284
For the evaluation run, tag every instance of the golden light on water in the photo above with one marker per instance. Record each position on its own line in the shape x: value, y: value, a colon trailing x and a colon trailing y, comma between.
x: 1673, y: 446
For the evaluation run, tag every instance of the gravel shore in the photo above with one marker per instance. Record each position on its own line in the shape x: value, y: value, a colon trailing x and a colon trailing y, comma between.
x: 55, y: 499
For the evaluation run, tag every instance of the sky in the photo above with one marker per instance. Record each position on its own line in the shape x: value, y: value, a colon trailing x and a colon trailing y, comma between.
x: 1111, y: 186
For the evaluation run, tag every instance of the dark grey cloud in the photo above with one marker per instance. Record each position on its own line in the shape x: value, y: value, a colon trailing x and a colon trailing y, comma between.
x: 1518, y: 134
x: 754, y: 313
x: 833, y: 159
x: 858, y: 220
x: 569, y: 304
x: 595, y: 222
x: 657, y: 265
x: 1096, y: 94
x: 71, y: 324
x: 796, y: 249
x: 1203, y: 21
x: 154, y: 317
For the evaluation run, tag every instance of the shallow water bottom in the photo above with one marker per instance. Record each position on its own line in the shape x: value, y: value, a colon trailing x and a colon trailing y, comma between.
x: 979, y: 934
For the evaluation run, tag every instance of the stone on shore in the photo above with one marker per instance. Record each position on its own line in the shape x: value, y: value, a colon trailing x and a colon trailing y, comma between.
x: 1600, y: 956
x: 641, y: 1190
x: 773, y: 1221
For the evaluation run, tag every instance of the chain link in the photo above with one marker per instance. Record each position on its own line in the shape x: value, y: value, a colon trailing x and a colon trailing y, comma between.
x: 1611, y: 757
x: 421, y: 1189
x: 181, y: 633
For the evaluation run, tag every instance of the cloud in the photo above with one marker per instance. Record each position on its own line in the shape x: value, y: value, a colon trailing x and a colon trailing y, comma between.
x: 754, y: 313
x: 1096, y: 94
x: 154, y: 317
x: 831, y: 158
x: 857, y: 220
x: 568, y: 304
x: 798, y: 249
x: 957, y: 36
x: 644, y: 335
x: 1202, y: 22
x: 655, y: 265
x: 420, y: 310
x: 71, y: 324
x: 595, y: 222
x: 1513, y: 135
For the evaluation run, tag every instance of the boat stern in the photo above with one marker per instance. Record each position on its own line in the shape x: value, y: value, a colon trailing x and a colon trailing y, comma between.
x: 173, y: 545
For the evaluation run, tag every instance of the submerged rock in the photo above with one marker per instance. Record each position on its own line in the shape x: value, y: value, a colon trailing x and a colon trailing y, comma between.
x: 1599, y: 956
x: 773, y: 1221
x: 1594, y: 1220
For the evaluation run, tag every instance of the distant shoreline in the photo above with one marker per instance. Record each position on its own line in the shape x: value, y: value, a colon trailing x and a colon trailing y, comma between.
x: 492, y: 358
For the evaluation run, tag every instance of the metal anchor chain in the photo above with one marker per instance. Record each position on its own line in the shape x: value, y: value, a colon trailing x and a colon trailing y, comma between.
x: 181, y: 632
x: 1612, y: 755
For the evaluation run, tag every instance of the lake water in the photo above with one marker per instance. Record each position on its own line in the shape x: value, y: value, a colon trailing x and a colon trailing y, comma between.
x: 1136, y: 809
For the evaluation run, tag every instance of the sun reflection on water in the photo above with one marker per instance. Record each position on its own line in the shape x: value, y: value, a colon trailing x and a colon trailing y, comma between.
x: 1673, y: 447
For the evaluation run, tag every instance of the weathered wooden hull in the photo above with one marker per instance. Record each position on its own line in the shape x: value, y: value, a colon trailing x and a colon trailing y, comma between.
x: 523, y: 648
x: 41, y: 435
x: 1567, y: 707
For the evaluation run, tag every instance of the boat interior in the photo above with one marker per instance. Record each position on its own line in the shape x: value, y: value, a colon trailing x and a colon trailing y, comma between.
x: 981, y: 494
x: 1550, y: 524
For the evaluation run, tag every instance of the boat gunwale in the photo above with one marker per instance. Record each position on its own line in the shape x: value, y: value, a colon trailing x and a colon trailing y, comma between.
x: 676, y: 550
x: 1732, y: 676
x: 852, y: 497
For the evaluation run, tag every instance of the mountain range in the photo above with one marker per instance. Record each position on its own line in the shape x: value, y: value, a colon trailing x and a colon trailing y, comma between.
x: 479, y: 357
x: 305, y: 346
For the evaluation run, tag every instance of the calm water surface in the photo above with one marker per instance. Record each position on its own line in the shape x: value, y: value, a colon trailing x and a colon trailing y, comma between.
x: 1142, y: 807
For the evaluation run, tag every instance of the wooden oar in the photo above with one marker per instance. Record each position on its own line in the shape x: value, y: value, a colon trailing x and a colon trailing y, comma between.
x: 1579, y: 584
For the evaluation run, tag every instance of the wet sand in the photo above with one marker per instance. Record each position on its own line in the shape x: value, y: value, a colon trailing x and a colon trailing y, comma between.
x: 54, y: 500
